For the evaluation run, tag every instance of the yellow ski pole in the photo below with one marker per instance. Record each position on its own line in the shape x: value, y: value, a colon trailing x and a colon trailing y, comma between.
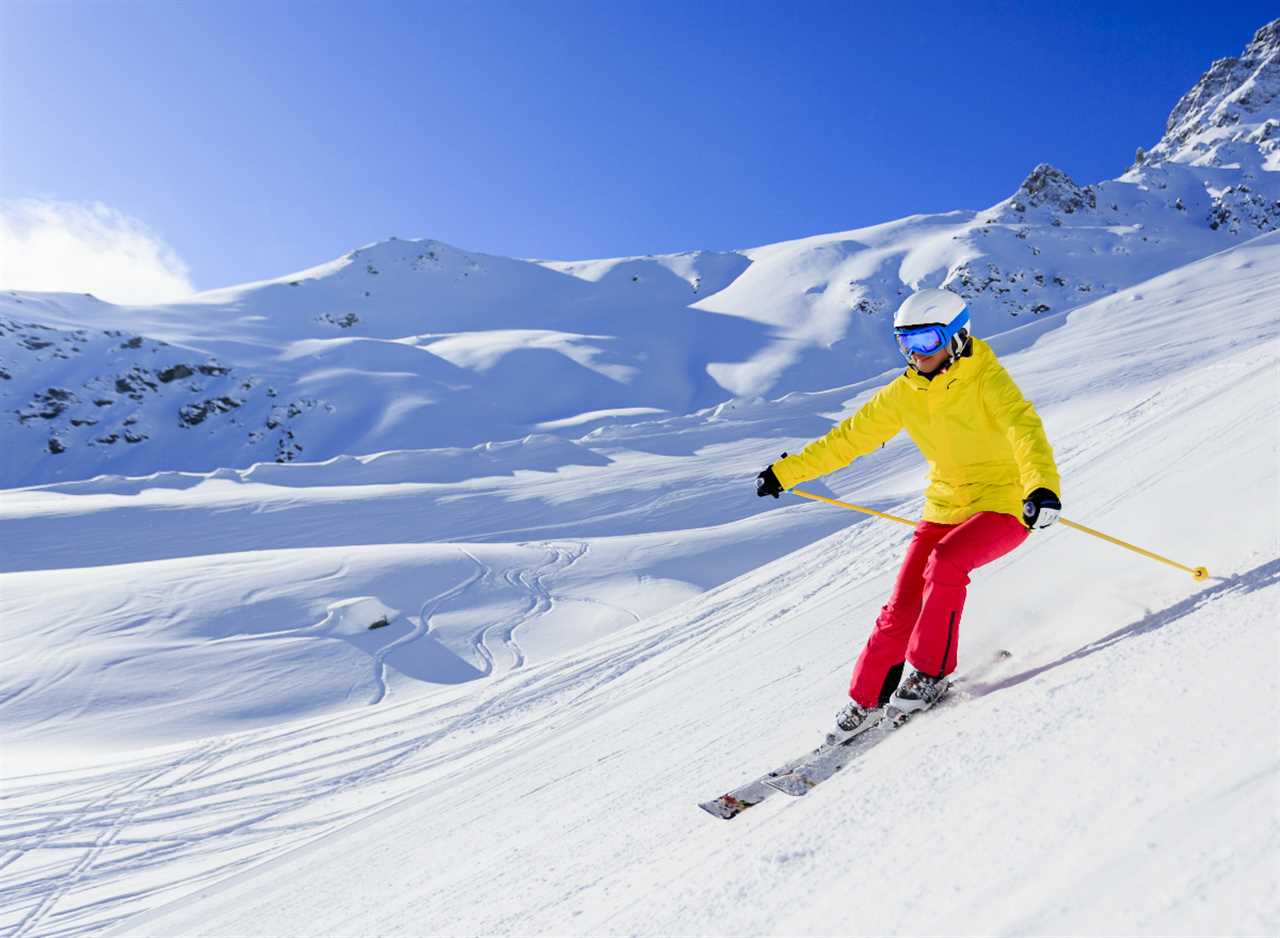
x: 1197, y: 573
x: 840, y: 504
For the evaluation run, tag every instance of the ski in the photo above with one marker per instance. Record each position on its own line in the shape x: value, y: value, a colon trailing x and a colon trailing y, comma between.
x: 797, y: 776
x: 821, y: 765
x: 732, y: 803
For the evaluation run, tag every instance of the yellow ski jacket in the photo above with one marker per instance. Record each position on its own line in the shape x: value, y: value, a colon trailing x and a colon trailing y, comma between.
x: 984, y: 442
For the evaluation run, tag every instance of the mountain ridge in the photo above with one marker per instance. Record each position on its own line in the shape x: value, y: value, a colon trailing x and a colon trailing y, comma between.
x: 410, y: 344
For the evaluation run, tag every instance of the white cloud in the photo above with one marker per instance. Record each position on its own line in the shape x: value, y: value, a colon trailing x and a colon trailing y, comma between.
x: 87, y: 247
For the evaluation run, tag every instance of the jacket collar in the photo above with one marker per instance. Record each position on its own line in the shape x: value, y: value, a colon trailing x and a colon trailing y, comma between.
x: 966, y: 366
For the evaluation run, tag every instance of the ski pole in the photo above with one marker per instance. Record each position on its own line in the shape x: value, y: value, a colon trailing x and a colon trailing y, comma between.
x: 1197, y: 573
x: 840, y: 504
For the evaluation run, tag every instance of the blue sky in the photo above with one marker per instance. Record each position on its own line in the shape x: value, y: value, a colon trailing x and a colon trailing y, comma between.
x: 259, y: 138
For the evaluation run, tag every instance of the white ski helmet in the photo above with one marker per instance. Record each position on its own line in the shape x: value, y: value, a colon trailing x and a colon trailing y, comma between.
x: 930, y: 320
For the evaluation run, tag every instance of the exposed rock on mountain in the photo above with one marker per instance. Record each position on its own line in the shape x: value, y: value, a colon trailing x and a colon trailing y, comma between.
x: 1230, y: 103
x: 1051, y: 187
x: 409, y: 344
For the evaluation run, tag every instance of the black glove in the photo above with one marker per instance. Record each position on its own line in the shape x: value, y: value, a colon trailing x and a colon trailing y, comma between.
x: 767, y: 483
x: 1040, y: 509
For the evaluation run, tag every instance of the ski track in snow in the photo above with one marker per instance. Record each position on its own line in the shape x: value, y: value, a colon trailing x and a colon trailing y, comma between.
x: 422, y: 626
x: 101, y: 815
x: 132, y: 800
x: 240, y: 801
x: 539, y: 601
x: 532, y: 582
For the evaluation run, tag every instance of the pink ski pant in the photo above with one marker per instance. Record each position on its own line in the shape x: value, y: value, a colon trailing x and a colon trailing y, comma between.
x: 921, y: 622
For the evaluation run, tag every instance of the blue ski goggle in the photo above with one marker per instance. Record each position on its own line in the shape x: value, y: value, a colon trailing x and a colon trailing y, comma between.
x: 925, y: 340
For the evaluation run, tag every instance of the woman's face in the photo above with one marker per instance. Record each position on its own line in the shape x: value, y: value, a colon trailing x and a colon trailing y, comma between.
x: 927, y: 364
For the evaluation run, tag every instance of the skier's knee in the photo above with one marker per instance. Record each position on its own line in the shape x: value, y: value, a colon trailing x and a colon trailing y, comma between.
x: 897, y: 617
x: 946, y: 566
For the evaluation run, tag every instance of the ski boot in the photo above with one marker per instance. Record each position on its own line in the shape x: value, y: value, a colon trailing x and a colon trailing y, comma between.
x: 918, y: 692
x: 853, y: 719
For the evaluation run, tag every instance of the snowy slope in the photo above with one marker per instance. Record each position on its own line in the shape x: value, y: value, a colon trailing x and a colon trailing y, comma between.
x: 1117, y: 774
x: 413, y: 344
x: 424, y: 591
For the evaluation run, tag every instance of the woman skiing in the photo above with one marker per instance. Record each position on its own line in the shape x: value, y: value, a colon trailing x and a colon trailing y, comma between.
x: 992, y: 478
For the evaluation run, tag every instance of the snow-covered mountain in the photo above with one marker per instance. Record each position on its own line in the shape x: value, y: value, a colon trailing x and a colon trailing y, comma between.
x: 472, y: 672
x: 260, y: 704
x: 412, y: 344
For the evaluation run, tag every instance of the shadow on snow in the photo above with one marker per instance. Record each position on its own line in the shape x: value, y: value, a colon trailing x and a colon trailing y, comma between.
x: 1260, y: 577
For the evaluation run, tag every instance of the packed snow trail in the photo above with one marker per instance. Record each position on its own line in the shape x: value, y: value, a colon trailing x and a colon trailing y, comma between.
x: 987, y: 790
x: 265, y: 792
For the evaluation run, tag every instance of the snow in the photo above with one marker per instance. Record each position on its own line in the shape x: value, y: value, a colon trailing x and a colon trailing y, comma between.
x: 467, y: 660
x: 592, y: 416
x: 203, y: 720
x: 481, y: 351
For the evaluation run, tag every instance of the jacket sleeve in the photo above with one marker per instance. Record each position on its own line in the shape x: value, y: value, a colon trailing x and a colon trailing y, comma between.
x: 1021, y: 424
x: 874, y: 423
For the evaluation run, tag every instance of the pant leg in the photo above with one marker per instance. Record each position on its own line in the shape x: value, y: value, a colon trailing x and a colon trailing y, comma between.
x: 985, y: 537
x: 881, y: 660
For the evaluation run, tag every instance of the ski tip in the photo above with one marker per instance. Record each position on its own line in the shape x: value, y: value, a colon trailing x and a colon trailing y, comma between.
x: 725, y: 807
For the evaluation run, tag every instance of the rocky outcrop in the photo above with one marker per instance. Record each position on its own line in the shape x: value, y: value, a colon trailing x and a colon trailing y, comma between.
x: 1049, y: 187
x: 47, y: 405
x: 1227, y: 102
x: 1239, y: 209
x: 190, y: 415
